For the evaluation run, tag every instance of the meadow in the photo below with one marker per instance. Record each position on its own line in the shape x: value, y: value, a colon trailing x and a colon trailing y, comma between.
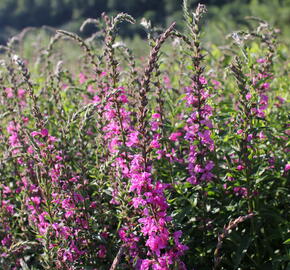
x: 177, y: 158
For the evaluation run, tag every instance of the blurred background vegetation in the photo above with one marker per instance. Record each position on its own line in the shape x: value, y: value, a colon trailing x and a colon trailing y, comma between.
x: 224, y: 15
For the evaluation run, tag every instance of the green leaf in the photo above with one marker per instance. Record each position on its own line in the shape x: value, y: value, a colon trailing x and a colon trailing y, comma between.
x: 287, y: 242
x: 242, y: 250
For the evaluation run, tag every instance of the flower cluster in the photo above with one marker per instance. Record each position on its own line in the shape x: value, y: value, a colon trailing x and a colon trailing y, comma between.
x: 151, y: 199
x: 198, y: 133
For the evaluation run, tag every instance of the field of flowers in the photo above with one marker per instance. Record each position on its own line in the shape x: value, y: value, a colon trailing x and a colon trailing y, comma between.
x: 175, y: 160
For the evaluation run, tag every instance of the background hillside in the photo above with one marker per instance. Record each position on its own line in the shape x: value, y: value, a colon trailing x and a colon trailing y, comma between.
x: 68, y: 14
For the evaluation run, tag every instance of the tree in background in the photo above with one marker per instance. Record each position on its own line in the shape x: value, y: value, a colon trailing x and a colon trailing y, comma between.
x: 18, y: 14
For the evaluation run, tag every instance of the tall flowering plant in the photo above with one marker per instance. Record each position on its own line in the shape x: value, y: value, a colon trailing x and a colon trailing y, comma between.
x: 115, y: 162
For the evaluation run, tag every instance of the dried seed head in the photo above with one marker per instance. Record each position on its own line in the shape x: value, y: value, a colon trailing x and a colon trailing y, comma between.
x: 89, y: 21
x: 200, y: 10
x: 145, y: 23
x: 123, y: 17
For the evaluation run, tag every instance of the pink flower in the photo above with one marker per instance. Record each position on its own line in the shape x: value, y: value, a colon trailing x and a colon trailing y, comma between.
x: 261, y: 60
x: 216, y: 83
x: 132, y: 139
x: 264, y: 100
x: 21, y: 93
x: 155, y: 144
x: 157, y: 242
x: 166, y: 80
x: 91, y: 89
x: 250, y: 137
x: 248, y: 96
x: 93, y: 205
x: 155, y: 125
x: 9, y: 92
x: 181, y: 248
x: 209, y: 166
x: 205, y: 138
x: 114, y: 144
x: 156, y: 116
x: 145, y: 265
x: 8, y: 207
x: 241, y: 191
x: 64, y: 86
x: 174, y: 136
x: 36, y: 200
x: 191, y: 100
x: 261, y: 135
x: 280, y: 99
x: 82, y: 78
x: 65, y: 232
x: 123, y: 98
x: 25, y: 119
x: 67, y: 204
x: 102, y: 251
x: 265, y: 86
x: 96, y: 99
x: 240, y: 167
x: 69, y: 214
x: 78, y: 197
x: 7, y: 240
x: 122, y: 234
x: 138, y: 201
x: 6, y: 189
x: 44, y: 132
x: 202, y: 80
x: 67, y: 256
